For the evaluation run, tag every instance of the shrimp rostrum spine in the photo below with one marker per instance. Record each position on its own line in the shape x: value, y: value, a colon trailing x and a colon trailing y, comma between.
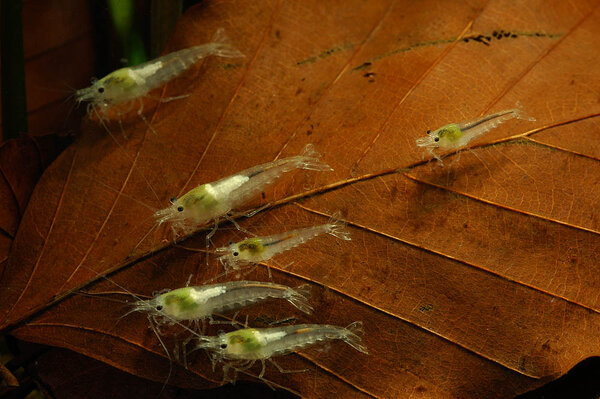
x: 211, y: 201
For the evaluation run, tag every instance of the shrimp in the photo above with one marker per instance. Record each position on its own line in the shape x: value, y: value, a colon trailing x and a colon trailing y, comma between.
x: 240, y: 349
x: 201, y: 302
x: 259, y: 249
x: 457, y: 135
x: 211, y: 201
x: 133, y: 83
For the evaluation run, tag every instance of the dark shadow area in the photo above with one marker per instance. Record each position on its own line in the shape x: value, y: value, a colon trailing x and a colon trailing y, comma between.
x: 581, y: 382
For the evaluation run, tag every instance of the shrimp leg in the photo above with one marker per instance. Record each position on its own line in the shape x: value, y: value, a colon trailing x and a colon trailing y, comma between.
x: 237, y: 226
x: 282, y: 370
x: 208, y: 238
x: 141, y: 115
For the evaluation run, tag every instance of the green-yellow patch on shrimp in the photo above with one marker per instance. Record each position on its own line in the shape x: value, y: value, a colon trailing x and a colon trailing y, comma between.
x: 457, y: 135
x: 252, y: 245
x: 260, y: 249
x: 244, y: 341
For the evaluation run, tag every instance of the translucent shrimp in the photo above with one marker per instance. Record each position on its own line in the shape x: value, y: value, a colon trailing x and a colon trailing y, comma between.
x: 211, y: 201
x: 260, y: 249
x: 457, y: 135
x: 201, y: 302
x: 133, y: 83
x: 240, y: 349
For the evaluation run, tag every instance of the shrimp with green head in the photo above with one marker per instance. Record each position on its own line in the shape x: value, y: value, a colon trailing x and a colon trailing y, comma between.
x: 133, y: 83
x: 457, y: 135
x: 212, y: 201
x: 260, y: 249
x: 239, y: 350
x: 198, y: 303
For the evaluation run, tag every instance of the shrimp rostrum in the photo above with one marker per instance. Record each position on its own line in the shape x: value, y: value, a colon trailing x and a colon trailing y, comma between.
x: 240, y: 349
x: 133, y: 83
x: 211, y: 201
x: 457, y: 135
x: 260, y: 249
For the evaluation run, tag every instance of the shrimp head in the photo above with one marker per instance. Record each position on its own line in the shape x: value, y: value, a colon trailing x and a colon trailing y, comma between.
x: 199, y: 205
x: 444, y: 137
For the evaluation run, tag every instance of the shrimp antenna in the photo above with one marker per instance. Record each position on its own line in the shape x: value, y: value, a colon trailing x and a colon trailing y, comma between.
x: 154, y: 329
x: 123, y: 149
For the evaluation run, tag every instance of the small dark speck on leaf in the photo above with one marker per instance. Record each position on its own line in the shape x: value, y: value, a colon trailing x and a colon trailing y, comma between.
x: 263, y: 195
x: 545, y: 346
x: 362, y: 66
x: 369, y: 74
x: 278, y: 34
x: 426, y: 308
x: 308, y: 132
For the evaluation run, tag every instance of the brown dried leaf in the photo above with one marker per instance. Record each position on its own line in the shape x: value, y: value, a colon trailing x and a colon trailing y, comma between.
x: 477, y: 279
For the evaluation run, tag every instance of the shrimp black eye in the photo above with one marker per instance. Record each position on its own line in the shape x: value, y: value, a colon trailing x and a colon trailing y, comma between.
x: 173, y: 199
x: 101, y: 90
x: 429, y: 132
x: 236, y: 253
x: 230, y: 242
x: 436, y: 139
x: 223, y: 346
x: 159, y: 307
x: 180, y: 209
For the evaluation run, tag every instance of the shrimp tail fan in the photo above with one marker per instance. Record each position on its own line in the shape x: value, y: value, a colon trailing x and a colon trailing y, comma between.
x: 353, y: 336
x: 223, y: 46
x: 311, y: 160
x: 337, y: 227
x: 521, y: 114
x: 299, y: 298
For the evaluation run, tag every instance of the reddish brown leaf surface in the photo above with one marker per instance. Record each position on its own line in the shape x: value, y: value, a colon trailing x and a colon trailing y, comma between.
x: 22, y: 162
x: 478, y: 279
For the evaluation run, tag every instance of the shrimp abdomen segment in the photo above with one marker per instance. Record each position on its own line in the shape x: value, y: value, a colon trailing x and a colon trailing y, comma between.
x: 486, y: 123
x: 237, y: 294
x: 157, y: 72
x: 262, y: 175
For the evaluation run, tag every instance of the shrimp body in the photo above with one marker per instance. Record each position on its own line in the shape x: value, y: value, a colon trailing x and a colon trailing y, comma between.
x: 457, y: 135
x: 213, y: 200
x: 127, y: 84
x: 259, y: 249
x: 200, y: 302
x: 264, y: 343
